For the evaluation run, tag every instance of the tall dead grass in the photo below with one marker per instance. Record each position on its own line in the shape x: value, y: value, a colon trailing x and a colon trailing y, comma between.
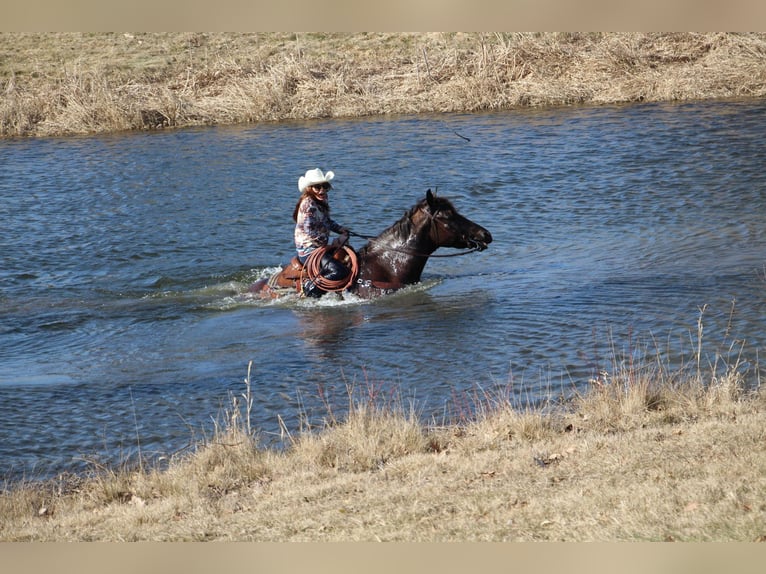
x: 645, y: 453
x: 68, y: 83
x: 639, y: 385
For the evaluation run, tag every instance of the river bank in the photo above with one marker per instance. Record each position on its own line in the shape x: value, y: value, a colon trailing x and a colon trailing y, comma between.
x: 79, y: 83
x: 641, y: 456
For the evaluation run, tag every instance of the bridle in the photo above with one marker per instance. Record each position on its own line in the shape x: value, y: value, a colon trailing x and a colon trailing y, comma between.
x: 434, y: 225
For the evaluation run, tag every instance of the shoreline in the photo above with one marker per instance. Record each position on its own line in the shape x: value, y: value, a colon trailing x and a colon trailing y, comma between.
x: 58, y: 84
x: 637, y: 457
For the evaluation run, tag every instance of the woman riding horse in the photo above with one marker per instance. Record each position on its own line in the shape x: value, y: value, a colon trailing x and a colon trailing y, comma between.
x: 313, y: 225
x: 389, y: 261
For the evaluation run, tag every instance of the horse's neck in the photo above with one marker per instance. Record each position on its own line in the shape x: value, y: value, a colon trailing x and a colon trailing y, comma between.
x: 396, y: 257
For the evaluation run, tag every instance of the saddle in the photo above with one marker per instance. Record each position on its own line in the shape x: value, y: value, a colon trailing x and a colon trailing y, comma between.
x: 289, y: 277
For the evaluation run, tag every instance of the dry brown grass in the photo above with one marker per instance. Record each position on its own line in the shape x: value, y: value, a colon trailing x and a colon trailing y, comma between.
x: 645, y: 454
x: 70, y: 83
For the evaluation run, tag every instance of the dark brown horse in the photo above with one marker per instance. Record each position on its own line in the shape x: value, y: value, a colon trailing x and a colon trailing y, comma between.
x: 396, y: 257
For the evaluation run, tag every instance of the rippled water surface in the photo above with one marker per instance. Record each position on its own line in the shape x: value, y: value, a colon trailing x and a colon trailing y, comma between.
x: 123, y: 258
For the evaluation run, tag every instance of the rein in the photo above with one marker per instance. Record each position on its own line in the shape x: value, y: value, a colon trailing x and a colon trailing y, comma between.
x: 416, y: 253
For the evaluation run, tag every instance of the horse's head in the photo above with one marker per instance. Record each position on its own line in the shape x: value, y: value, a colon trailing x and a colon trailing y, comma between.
x: 450, y: 229
x: 397, y: 256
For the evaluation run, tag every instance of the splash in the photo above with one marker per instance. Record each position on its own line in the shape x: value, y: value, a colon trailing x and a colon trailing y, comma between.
x: 243, y: 298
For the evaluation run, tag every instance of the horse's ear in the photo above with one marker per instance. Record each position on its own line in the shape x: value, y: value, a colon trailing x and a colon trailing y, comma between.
x: 430, y: 199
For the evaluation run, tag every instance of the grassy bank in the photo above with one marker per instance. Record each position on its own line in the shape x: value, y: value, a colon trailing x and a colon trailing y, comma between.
x: 644, y: 454
x: 77, y: 83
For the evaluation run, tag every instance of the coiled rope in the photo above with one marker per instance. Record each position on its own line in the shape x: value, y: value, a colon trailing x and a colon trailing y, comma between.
x: 313, y: 266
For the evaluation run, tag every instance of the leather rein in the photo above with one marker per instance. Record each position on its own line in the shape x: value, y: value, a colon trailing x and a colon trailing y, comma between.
x: 416, y: 253
x: 384, y: 285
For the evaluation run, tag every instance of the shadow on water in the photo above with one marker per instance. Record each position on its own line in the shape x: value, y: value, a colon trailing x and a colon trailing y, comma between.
x: 326, y: 330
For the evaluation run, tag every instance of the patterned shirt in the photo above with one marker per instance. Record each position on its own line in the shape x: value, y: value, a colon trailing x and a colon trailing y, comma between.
x: 313, y: 227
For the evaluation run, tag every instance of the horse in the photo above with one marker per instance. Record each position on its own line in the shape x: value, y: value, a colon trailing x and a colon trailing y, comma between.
x: 395, y: 258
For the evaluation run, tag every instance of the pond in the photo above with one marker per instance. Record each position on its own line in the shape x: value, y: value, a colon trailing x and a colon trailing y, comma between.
x: 124, y: 258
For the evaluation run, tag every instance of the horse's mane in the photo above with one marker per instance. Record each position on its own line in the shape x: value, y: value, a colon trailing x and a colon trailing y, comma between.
x: 402, y: 228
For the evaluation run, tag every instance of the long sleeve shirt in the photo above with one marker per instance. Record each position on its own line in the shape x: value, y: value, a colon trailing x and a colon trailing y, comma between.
x: 313, y: 227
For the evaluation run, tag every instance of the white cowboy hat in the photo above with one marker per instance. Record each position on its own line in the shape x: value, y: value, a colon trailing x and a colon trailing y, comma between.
x: 313, y: 177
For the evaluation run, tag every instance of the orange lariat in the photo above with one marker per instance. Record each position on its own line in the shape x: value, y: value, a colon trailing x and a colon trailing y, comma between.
x: 314, y: 264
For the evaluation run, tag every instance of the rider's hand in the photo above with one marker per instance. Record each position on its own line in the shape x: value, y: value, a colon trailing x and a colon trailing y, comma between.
x: 341, y: 240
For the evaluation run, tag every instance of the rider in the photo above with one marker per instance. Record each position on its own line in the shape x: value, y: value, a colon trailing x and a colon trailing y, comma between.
x: 313, y: 225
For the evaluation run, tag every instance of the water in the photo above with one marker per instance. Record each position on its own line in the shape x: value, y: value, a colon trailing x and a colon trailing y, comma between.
x: 124, y: 255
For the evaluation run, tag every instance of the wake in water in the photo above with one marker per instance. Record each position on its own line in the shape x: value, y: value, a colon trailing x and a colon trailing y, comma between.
x: 229, y: 292
x: 291, y: 299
